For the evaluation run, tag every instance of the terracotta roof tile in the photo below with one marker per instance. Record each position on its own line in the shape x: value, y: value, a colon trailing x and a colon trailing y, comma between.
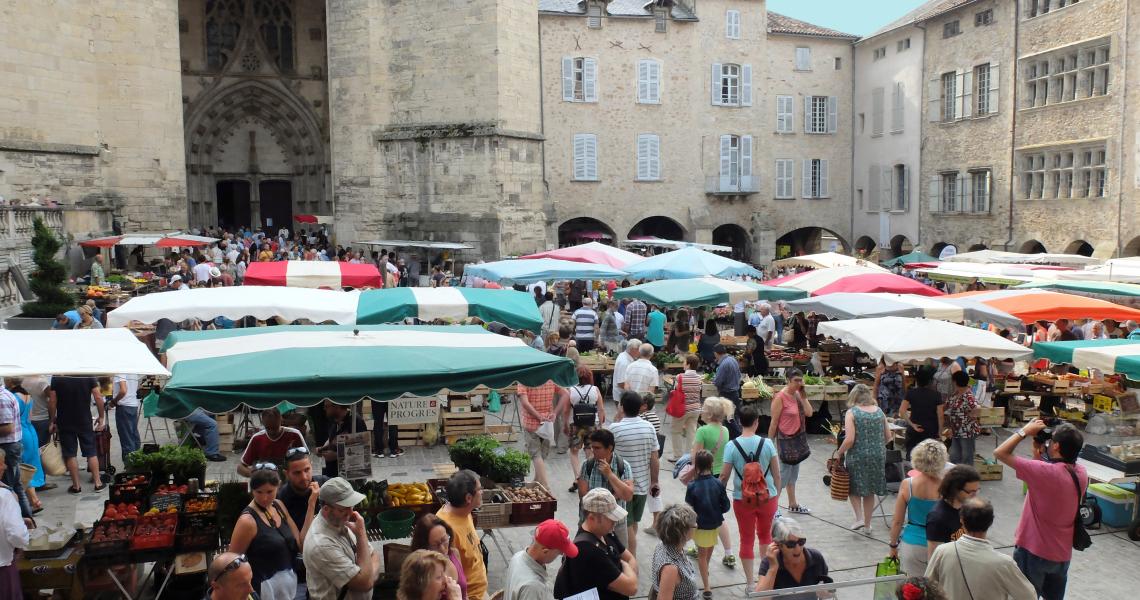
x: 778, y: 23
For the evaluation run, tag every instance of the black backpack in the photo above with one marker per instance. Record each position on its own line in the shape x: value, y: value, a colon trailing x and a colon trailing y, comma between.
x: 584, y: 413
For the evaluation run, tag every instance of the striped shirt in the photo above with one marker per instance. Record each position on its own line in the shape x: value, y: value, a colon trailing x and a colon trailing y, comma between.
x: 653, y: 420
x: 584, y: 321
x: 635, y: 440
x: 642, y: 376
x: 692, y: 384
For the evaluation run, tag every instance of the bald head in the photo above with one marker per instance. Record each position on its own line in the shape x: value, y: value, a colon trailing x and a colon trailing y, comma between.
x: 646, y: 350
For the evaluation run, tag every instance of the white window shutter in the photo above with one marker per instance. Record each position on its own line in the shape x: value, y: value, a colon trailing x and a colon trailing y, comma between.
x: 567, y: 79
x: 986, y: 198
x: 643, y: 81
x: 590, y: 78
x: 832, y: 113
x: 898, y: 102
x: 655, y: 81
x: 591, y: 157
x: 654, y: 157
x: 935, y: 193
x: 807, y: 179
x: 746, y: 85
x: 746, y: 162
x: 779, y: 178
x: 886, y: 175
x: 823, y: 185
x: 906, y: 188
x: 994, y: 80
x: 725, y: 162
x: 716, y: 73
x: 958, y: 92
x: 643, y: 156
x: 967, y: 93
x: 790, y: 171
x: 934, y: 103
x: 807, y: 114
x: 579, y: 156
x: 963, y: 196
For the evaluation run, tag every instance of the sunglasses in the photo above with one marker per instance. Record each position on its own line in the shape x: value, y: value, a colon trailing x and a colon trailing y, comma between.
x: 265, y: 466
x: 233, y: 566
x: 298, y: 451
x: 793, y: 543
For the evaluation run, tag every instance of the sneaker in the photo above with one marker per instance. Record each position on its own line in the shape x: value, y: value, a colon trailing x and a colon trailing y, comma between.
x: 857, y: 526
x: 216, y: 458
x: 573, y: 489
x: 399, y: 452
x: 651, y: 531
x: 379, y: 455
x: 692, y: 551
x: 706, y: 595
x: 799, y: 509
x: 729, y: 561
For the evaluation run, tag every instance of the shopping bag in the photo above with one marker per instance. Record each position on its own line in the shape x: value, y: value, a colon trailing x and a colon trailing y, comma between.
x: 546, y: 431
x: 840, y: 482
x: 52, y: 458
x: 495, y: 403
x: 886, y: 568
x: 676, y: 406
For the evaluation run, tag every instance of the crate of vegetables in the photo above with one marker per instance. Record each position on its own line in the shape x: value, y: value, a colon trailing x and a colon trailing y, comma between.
x: 164, y: 502
x: 133, y: 478
x: 203, y: 502
x: 109, y: 538
x: 128, y: 492
x: 155, y: 530
x: 530, y: 503
x: 114, y: 511
x: 495, y: 510
x: 197, y: 532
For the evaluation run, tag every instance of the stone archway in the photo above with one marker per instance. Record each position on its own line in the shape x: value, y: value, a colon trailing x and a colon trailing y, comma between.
x: 580, y: 230
x: 809, y: 240
x: 1080, y: 247
x: 1032, y: 247
x: 978, y: 247
x: 659, y: 227
x: 736, y: 237
x: 900, y: 245
x: 1132, y: 248
x: 864, y: 246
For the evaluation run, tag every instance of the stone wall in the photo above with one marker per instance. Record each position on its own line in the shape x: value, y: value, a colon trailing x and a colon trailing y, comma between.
x: 91, y: 109
x: 977, y: 142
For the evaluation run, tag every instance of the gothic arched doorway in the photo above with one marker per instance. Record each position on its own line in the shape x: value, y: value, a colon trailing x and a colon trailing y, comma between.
x: 233, y: 203
x: 735, y: 237
x: 276, y: 204
x: 581, y: 230
x: 659, y: 227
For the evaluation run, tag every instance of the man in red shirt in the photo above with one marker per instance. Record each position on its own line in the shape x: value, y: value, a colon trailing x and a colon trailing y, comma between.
x: 269, y: 444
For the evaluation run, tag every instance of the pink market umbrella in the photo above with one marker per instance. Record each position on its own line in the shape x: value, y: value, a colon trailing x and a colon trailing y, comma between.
x: 853, y: 279
x: 593, y: 253
x: 160, y: 240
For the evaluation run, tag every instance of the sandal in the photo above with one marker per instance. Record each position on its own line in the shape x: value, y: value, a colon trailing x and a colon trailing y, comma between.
x: 74, y: 490
x: 729, y: 561
x: 692, y: 551
x: 706, y: 595
x: 100, y: 488
x: 799, y: 509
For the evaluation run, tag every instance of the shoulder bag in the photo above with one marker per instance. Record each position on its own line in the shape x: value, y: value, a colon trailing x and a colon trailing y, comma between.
x: 676, y: 406
x: 794, y: 449
x: 1081, y: 538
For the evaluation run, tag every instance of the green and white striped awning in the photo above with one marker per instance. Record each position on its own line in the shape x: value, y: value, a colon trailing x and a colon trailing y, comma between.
x: 221, y: 370
x: 705, y: 291
x: 1108, y: 356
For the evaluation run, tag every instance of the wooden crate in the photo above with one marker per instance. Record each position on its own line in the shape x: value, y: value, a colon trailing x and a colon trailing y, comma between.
x: 460, y: 425
x: 1023, y: 414
x: 459, y: 405
x: 503, y: 433
x: 991, y: 416
x: 815, y: 392
x: 988, y: 472
x: 410, y: 435
x: 708, y: 390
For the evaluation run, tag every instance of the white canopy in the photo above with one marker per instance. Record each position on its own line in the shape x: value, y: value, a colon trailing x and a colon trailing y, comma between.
x: 76, y: 352
x: 262, y: 302
x: 418, y: 244
x: 824, y: 260
x: 906, y: 340
x: 674, y: 244
x: 997, y: 256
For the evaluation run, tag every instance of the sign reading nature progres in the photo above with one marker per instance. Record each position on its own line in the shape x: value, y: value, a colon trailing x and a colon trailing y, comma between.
x: 413, y: 411
x: 354, y: 455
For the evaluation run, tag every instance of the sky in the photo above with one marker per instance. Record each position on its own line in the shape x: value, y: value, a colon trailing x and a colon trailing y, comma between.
x: 859, y: 17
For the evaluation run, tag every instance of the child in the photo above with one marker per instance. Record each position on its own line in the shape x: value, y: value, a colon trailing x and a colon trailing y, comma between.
x: 653, y: 503
x: 708, y: 496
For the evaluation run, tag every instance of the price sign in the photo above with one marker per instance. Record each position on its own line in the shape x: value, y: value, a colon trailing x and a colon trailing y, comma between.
x: 354, y: 455
x: 413, y: 411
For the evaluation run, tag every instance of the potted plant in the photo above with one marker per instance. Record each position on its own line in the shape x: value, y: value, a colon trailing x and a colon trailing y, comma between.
x: 507, y: 465
x: 46, y: 283
x: 473, y: 453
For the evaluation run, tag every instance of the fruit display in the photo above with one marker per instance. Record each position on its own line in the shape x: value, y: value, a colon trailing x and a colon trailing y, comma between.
x: 98, y: 291
x: 169, y: 489
x: 201, y: 504
x: 404, y: 494
x: 375, y: 494
x: 121, y: 510
x: 127, y: 492
x: 756, y: 388
x: 155, y: 510
x: 155, y: 531
x: 782, y: 356
x: 529, y: 494
x: 136, y: 479
x: 112, y: 531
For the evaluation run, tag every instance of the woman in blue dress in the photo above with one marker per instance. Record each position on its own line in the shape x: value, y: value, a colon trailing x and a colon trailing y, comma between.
x: 31, y: 455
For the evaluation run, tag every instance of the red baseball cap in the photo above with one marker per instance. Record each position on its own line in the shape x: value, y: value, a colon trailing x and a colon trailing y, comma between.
x: 553, y: 534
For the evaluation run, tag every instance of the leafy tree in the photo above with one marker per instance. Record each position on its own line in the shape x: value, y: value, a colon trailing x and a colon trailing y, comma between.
x: 48, y: 277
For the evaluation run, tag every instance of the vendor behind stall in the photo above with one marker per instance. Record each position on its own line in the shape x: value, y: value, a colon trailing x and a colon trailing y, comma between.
x: 269, y: 444
x: 341, y: 421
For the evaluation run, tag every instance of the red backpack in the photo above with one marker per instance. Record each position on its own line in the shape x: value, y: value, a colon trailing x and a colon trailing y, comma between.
x: 754, y: 480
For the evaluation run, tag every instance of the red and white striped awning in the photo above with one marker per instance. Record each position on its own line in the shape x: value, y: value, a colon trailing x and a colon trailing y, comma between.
x: 161, y: 240
x: 313, y: 274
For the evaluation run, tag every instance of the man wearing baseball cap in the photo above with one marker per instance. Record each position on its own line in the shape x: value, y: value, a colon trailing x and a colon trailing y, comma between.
x: 337, y: 554
x: 602, y: 562
x: 526, y: 573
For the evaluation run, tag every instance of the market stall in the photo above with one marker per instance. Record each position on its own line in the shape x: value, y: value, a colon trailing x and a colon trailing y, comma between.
x: 853, y: 279
x: 510, y: 272
x: 688, y: 262
x: 516, y: 310
x: 1032, y: 305
x: 918, y: 256
x: 824, y: 260
x: 593, y: 252
x: 909, y: 340
x: 865, y: 306
x: 704, y: 291
x: 1018, y: 258
x: 75, y: 352
x: 158, y: 240
x: 313, y: 274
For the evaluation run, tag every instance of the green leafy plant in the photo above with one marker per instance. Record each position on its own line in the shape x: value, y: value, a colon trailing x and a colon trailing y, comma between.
x: 48, y: 277
x: 508, y: 465
x: 181, y: 462
x: 473, y: 453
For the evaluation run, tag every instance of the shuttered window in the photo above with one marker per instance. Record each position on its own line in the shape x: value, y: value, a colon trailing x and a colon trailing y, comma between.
x: 815, y: 178
x: 585, y: 157
x: 785, y: 107
x: 820, y: 114
x: 649, y: 81
x: 648, y: 157
x: 736, y: 164
x: 785, y: 176
x: 732, y: 24
x: 731, y: 84
x: 579, y: 79
x: 898, y: 101
x: 877, y: 111
x: 803, y: 58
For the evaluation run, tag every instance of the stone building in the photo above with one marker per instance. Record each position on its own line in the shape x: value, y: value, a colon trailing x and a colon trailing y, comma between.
x: 662, y: 122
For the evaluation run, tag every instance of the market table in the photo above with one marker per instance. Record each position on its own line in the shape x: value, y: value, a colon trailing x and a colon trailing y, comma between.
x: 58, y: 573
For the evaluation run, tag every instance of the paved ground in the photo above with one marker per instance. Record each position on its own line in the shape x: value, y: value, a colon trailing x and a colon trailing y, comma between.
x: 1106, y: 570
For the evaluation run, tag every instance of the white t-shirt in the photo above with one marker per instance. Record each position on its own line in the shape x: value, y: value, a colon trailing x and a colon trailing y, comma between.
x: 766, y: 328
x: 590, y: 394
x: 202, y: 272
x: 132, y: 397
x: 621, y: 364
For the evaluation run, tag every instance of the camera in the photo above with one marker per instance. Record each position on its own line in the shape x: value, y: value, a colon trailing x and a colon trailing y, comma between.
x: 1046, y: 434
